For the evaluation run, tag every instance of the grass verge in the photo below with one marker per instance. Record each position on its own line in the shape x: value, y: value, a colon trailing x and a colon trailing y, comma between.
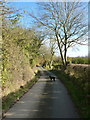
x: 78, y: 95
x: 13, y: 97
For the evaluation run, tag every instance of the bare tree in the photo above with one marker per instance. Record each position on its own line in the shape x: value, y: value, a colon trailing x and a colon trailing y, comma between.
x: 53, y: 47
x: 66, y: 22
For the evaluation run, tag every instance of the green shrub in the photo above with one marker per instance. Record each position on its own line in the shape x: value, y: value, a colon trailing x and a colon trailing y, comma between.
x: 80, y: 60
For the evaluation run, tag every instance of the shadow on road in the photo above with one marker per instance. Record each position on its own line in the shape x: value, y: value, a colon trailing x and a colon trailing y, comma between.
x: 46, y: 101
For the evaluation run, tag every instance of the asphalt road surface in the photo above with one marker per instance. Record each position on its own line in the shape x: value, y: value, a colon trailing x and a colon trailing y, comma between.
x: 46, y: 99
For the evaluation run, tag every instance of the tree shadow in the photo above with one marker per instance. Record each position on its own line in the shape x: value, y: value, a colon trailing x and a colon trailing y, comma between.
x: 46, y: 102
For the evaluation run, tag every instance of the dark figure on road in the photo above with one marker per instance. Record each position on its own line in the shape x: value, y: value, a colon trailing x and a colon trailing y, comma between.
x: 52, y: 78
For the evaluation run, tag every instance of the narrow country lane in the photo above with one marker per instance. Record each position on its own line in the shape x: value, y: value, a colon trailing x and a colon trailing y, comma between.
x: 45, y: 99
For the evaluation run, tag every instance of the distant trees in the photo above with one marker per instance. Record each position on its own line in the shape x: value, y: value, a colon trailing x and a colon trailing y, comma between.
x: 80, y: 60
x: 71, y: 60
x: 65, y: 21
x: 53, y: 47
x: 45, y: 56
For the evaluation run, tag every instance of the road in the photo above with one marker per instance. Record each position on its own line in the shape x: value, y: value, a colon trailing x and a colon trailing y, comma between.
x: 46, y: 99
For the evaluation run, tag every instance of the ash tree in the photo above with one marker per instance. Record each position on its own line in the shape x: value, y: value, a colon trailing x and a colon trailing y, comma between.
x: 65, y: 21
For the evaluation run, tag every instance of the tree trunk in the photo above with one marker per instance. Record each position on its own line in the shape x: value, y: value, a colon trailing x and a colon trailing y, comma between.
x: 65, y: 48
x: 60, y: 50
x: 65, y: 51
x: 51, y: 64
